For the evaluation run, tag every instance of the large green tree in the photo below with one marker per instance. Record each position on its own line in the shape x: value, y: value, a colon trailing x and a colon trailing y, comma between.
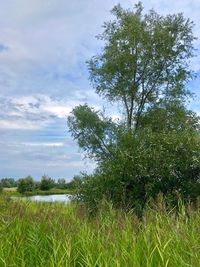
x: 144, y: 68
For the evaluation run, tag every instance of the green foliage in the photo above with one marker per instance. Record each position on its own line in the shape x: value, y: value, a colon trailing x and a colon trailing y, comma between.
x: 145, y: 59
x: 169, y: 116
x: 42, y: 234
x: 61, y: 183
x: 94, y: 132
x: 149, y: 163
x: 26, y: 185
x: 155, y: 147
x: 8, y: 182
x: 75, y: 183
x: 142, y: 167
x: 46, y: 183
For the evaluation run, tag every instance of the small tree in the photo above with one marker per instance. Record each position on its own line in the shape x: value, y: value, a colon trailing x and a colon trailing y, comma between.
x: 26, y: 185
x: 61, y: 183
x: 46, y: 183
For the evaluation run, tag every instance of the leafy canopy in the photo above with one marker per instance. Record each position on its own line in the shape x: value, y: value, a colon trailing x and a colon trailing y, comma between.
x: 144, y: 60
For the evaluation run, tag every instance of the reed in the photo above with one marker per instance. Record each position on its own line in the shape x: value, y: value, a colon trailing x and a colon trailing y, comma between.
x: 55, y: 235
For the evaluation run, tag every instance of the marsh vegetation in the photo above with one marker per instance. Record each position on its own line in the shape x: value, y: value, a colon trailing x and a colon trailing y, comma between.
x: 58, y: 235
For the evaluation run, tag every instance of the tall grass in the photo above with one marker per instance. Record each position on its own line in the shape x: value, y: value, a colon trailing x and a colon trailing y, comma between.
x: 55, y: 235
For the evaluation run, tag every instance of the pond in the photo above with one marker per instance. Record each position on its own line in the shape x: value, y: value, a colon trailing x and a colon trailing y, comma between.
x: 49, y: 198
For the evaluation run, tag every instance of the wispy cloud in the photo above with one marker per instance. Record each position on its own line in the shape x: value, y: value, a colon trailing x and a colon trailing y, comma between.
x: 19, y: 125
x: 32, y: 112
x: 58, y: 144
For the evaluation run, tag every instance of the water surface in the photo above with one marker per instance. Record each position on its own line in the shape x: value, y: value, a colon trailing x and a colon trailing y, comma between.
x: 50, y: 198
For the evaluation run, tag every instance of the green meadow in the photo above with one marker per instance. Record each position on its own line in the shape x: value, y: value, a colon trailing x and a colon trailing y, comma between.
x: 57, y: 235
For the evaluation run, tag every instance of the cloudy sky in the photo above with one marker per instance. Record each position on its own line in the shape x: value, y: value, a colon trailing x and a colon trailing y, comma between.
x: 43, y: 75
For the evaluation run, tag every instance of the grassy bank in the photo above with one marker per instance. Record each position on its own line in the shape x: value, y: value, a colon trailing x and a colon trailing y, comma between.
x: 53, y: 191
x: 55, y: 235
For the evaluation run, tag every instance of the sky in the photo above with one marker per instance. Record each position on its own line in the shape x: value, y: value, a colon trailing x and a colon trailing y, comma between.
x: 43, y: 49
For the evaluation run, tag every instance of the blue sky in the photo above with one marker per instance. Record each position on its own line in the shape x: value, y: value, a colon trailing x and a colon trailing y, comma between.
x: 43, y: 75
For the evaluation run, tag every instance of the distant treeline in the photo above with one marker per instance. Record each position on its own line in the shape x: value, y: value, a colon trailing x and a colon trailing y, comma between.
x: 28, y: 184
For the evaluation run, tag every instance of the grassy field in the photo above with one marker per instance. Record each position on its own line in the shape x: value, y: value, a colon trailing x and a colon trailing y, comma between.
x: 55, y: 235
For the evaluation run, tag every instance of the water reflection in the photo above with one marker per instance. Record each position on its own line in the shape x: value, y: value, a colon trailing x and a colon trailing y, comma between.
x: 50, y: 198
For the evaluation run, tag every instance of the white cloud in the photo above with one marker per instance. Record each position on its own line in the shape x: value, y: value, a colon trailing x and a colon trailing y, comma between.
x: 58, y: 144
x: 35, y: 112
x: 57, y: 108
x: 19, y: 125
x: 32, y: 112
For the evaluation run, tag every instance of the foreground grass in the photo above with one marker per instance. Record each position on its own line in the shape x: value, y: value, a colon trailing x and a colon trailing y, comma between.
x: 45, y: 234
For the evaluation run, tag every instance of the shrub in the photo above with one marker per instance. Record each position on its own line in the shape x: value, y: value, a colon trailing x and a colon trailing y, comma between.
x: 151, y: 163
x: 26, y: 185
x: 46, y: 183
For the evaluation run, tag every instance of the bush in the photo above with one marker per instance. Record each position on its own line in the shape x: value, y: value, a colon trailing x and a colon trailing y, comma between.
x: 8, y: 182
x: 26, y: 185
x: 46, y: 183
x: 151, y: 163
